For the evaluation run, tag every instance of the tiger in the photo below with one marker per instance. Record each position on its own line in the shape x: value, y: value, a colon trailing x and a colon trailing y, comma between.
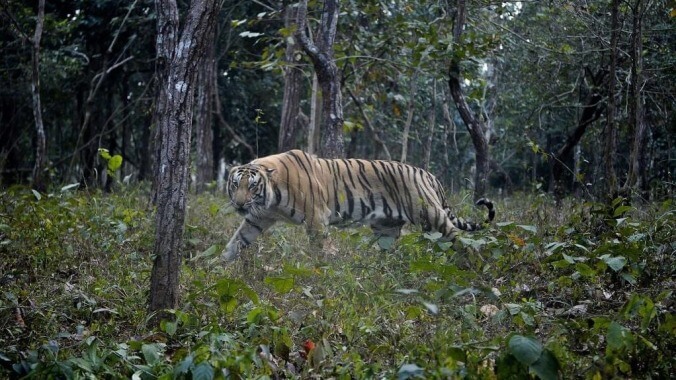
x: 301, y: 188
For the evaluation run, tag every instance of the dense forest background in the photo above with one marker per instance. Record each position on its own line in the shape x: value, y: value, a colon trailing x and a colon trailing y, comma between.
x: 568, y: 93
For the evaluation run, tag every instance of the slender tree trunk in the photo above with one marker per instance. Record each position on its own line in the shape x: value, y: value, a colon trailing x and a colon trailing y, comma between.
x: 409, y: 116
x: 610, y: 145
x: 293, y: 80
x: 591, y: 112
x: 431, y: 121
x: 40, y: 139
x: 321, y: 55
x: 315, y: 117
x: 204, y: 134
x: 473, y: 123
x: 178, y: 54
x: 636, y: 110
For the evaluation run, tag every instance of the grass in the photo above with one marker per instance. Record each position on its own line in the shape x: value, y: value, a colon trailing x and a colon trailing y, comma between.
x: 575, y: 291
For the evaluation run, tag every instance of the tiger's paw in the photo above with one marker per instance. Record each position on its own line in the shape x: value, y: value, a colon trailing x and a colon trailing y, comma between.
x: 231, y: 251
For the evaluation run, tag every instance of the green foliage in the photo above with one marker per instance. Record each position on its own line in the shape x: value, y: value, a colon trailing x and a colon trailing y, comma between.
x: 113, y: 163
x: 581, y: 290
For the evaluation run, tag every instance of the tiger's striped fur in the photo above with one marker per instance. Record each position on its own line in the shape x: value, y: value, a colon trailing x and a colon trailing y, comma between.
x: 301, y: 188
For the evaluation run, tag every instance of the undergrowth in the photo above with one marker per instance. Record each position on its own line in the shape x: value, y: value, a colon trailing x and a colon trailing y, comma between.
x: 580, y: 290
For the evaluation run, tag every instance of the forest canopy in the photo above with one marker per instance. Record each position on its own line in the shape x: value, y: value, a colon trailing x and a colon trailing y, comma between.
x: 551, y: 82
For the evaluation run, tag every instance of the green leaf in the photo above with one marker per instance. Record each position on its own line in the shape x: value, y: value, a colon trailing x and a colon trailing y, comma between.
x: 298, y: 271
x: 209, y: 252
x: 474, y: 243
x: 184, y: 366
x: 281, y: 284
x: 527, y: 319
x: 621, y: 210
x: 203, y: 371
x: 114, y: 163
x: 232, y: 287
x: 628, y: 277
x: 408, y: 371
x: 150, y: 353
x: 618, y: 337
x: 532, y: 229
x: 513, y: 308
x: 526, y: 350
x: 615, y: 263
x: 36, y: 194
x: 585, y: 270
x: 104, y: 153
x: 169, y: 327
x: 385, y: 242
x: 546, y: 367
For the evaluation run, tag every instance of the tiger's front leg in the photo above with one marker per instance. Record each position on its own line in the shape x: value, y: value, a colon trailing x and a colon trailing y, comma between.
x: 247, y: 232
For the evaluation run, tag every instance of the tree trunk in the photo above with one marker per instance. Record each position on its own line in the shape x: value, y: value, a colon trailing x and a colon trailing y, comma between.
x: 474, y: 125
x: 431, y: 121
x: 315, y: 117
x: 40, y: 139
x: 321, y: 55
x: 636, y: 110
x: 610, y: 143
x: 590, y: 113
x: 178, y: 55
x: 293, y: 80
x: 204, y: 134
x: 409, y: 117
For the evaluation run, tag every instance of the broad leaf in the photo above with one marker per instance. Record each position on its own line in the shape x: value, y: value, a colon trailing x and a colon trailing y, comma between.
x: 408, y: 371
x: 203, y: 371
x: 526, y: 350
x: 114, y: 163
x: 618, y: 337
x: 532, y: 229
x: 281, y: 284
x: 150, y: 353
x: 615, y: 263
x: 546, y: 367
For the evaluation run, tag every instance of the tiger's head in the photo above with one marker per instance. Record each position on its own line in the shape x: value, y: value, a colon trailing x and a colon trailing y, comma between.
x: 248, y: 186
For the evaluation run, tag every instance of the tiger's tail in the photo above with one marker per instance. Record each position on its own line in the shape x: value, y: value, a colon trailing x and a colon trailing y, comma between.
x: 464, y: 225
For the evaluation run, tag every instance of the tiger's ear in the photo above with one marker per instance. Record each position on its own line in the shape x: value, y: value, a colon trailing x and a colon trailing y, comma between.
x: 270, y: 171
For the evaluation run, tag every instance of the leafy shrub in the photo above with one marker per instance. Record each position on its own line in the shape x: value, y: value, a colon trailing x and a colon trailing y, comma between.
x: 584, y: 290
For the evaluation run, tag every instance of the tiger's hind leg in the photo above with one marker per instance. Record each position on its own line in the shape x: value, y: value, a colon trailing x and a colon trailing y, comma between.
x: 247, y: 232
x: 437, y: 219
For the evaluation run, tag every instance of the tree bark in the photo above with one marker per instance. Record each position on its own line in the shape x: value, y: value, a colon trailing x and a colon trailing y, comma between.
x: 610, y: 145
x: 204, y: 134
x: 178, y: 55
x: 40, y: 139
x: 293, y: 80
x: 431, y: 121
x: 590, y: 113
x: 636, y: 109
x: 474, y: 124
x: 409, y: 116
x: 321, y: 55
x: 315, y: 117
